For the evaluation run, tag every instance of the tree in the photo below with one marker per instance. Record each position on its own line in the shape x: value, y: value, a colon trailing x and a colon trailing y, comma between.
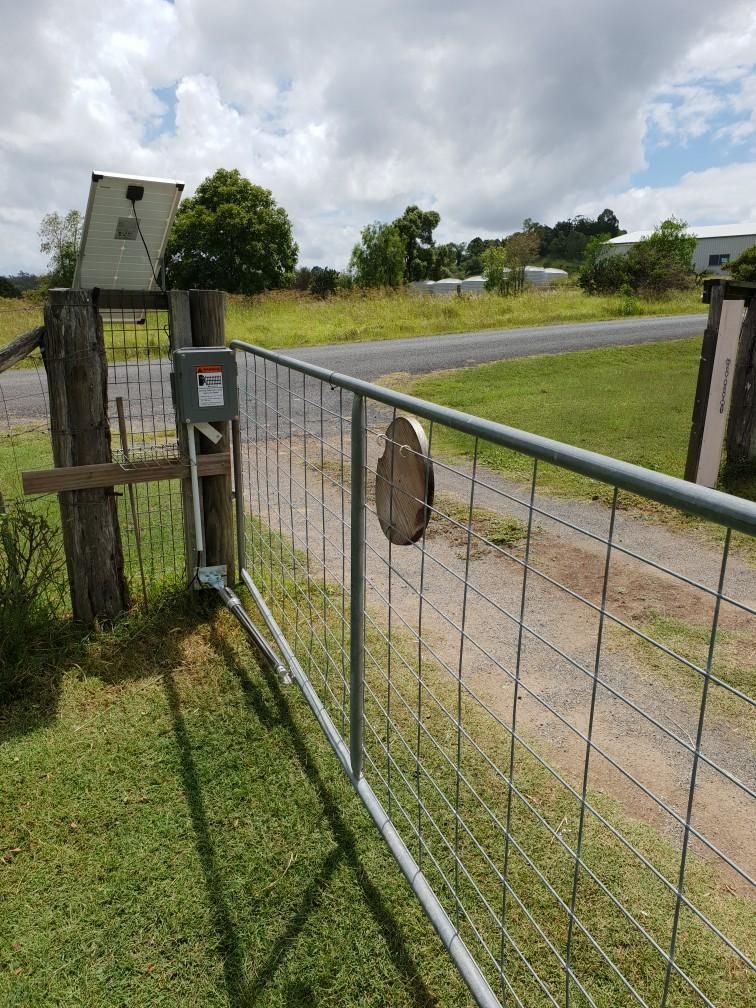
x: 521, y: 249
x: 8, y: 289
x: 657, y: 264
x: 603, y: 273
x: 609, y: 223
x: 494, y: 261
x: 743, y: 268
x: 59, y: 239
x: 231, y: 235
x: 323, y: 281
x: 302, y: 278
x: 663, y: 261
x: 378, y: 261
x: 416, y: 228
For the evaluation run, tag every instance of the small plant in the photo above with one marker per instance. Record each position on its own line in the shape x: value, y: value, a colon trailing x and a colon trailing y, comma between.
x: 629, y: 303
x: 31, y: 568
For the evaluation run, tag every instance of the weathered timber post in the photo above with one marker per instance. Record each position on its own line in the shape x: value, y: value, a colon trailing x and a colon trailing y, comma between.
x: 208, y: 329
x: 77, y: 375
x: 181, y: 336
x: 741, y: 425
x: 703, y: 385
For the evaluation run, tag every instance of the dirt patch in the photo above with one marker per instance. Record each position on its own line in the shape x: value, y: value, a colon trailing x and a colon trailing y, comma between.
x: 646, y: 712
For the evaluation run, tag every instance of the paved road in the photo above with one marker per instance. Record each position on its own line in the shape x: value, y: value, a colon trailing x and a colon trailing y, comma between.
x: 22, y: 394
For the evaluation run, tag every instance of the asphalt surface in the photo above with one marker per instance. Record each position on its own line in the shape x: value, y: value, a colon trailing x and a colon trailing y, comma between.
x: 23, y: 395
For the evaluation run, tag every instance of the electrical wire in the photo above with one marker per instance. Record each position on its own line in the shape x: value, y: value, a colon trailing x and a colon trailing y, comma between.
x: 149, y: 257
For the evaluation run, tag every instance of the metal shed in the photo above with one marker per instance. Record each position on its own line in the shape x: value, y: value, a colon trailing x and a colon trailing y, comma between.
x: 718, y: 245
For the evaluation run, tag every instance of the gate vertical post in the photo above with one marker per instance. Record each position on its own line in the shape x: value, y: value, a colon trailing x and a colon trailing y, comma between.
x: 703, y: 384
x: 77, y: 377
x: 357, y: 588
x: 208, y: 329
x: 180, y: 331
x: 740, y: 441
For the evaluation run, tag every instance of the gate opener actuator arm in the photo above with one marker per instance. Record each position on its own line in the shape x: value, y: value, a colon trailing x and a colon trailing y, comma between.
x: 212, y: 435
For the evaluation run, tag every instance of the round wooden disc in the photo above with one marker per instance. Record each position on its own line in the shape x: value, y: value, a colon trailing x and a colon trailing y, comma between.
x: 404, y: 483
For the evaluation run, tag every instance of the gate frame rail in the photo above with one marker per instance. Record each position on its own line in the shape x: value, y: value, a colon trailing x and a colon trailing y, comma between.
x: 713, y: 505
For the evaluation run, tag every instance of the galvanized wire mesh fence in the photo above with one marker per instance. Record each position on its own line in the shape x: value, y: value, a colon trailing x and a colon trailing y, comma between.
x: 143, y: 429
x: 558, y: 702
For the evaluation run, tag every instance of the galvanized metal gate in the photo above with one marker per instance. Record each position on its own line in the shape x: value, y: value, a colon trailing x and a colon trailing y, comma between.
x: 544, y: 703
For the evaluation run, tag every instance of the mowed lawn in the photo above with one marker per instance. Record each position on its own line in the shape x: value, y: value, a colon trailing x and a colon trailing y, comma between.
x: 174, y: 831
x: 288, y: 320
x: 633, y: 403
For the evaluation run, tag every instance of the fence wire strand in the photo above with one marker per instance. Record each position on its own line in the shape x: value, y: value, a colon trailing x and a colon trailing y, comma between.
x: 557, y: 706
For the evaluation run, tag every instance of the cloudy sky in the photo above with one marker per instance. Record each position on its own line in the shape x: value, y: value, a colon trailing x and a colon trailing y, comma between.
x: 487, y: 111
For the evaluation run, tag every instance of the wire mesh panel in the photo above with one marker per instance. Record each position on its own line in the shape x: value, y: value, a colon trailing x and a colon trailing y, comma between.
x: 143, y: 429
x: 25, y: 444
x: 557, y: 706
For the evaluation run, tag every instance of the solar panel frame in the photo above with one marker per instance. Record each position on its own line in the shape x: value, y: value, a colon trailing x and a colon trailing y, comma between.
x: 112, y: 263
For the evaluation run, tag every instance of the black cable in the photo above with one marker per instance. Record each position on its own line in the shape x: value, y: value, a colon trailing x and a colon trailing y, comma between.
x: 149, y: 257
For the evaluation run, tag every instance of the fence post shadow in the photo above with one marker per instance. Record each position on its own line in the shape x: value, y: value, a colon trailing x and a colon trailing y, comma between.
x: 347, y: 852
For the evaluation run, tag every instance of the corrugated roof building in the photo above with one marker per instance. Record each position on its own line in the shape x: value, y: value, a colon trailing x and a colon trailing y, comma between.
x: 718, y: 244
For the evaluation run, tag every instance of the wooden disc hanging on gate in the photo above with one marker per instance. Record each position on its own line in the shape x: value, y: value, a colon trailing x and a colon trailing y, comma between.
x: 404, y: 482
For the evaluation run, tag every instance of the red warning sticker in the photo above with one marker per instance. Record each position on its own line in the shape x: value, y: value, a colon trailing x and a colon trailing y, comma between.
x: 209, y: 384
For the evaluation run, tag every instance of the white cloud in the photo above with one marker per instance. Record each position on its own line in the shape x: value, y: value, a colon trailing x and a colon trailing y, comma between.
x: 723, y: 195
x: 485, y: 112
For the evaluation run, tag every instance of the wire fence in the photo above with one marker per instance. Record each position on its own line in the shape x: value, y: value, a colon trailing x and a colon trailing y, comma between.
x: 143, y: 429
x: 557, y: 715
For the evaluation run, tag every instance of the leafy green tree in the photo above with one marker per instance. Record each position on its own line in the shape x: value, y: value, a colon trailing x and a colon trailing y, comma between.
x: 657, y: 264
x: 302, y: 278
x: 603, y: 273
x: 59, y: 238
x: 521, y: 249
x: 8, y: 289
x: 378, y: 261
x: 231, y: 235
x: 743, y: 268
x: 663, y: 261
x: 416, y: 228
x: 323, y: 281
x: 494, y: 261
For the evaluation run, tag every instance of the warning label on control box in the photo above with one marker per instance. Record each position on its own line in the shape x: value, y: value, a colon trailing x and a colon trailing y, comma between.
x: 209, y: 384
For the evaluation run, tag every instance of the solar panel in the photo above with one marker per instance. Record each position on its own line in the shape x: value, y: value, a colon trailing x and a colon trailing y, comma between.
x: 112, y: 252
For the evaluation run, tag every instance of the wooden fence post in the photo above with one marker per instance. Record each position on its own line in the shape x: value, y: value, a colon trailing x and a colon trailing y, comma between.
x: 703, y: 385
x: 741, y: 424
x: 181, y: 336
x: 77, y: 376
x: 208, y: 329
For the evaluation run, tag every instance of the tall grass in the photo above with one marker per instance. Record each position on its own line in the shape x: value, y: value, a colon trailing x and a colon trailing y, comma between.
x: 288, y: 319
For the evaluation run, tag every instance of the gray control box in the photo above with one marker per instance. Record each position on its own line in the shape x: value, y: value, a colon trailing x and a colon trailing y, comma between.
x: 205, y: 384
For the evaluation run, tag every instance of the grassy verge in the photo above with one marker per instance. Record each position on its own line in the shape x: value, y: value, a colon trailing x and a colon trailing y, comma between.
x: 291, y: 320
x: 544, y: 814
x: 174, y: 831
x: 632, y: 403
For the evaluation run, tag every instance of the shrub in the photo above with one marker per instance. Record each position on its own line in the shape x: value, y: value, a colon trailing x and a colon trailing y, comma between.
x: 743, y: 268
x: 31, y: 568
x: 655, y: 265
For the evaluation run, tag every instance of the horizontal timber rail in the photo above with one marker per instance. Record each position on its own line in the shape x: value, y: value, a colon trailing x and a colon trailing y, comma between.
x: 105, y: 474
x: 737, y: 513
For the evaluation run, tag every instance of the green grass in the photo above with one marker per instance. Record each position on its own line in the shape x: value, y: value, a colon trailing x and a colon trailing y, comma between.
x: 290, y: 320
x: 632, y: 403
x: 732, y: 663
x: 175, y: 831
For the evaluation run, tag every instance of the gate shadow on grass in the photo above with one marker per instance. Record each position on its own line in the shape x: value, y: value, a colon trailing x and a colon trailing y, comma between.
x: 244, y: 991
